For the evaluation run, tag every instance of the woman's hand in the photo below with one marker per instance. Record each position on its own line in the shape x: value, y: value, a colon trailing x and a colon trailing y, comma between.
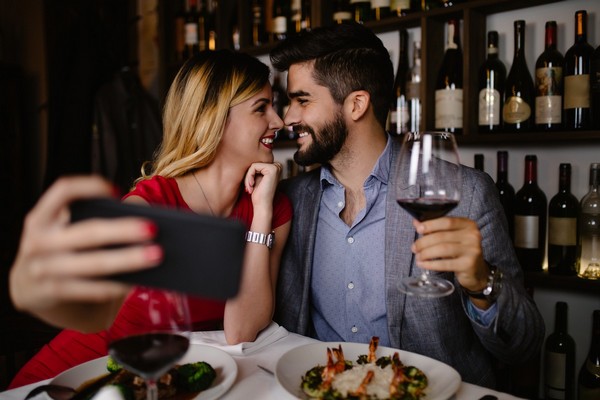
x: 57, y: 274
x: 261, y: 181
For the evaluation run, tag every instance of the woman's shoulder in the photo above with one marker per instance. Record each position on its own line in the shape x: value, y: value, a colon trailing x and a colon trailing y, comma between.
x: 159, y: 190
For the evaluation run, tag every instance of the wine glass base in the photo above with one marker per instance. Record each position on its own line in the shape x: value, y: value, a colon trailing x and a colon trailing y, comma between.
x: 429, y: 287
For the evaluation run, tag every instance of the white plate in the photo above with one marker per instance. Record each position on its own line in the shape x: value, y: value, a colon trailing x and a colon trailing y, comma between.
x: 222, y: 362
x: 443, y: 379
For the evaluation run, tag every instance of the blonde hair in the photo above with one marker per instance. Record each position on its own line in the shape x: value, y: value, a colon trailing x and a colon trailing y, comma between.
x: 197, y: 107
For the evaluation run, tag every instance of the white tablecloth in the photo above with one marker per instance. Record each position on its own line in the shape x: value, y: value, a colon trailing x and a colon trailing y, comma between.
x: 254, y: 383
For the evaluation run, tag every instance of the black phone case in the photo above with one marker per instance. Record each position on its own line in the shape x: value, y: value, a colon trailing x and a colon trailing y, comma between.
x: 203, y: 255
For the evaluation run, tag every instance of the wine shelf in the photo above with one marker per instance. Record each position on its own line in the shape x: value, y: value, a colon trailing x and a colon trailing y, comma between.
x: 571, y: 283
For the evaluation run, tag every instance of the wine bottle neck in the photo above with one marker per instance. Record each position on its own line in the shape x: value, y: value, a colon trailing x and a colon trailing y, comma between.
x: 560, y: 320
x: 502, y: 166
x: 519, y: 39
x: 581, y: 26
x: 531, y: 169
x: 550, y: 35
x: 564, y: 178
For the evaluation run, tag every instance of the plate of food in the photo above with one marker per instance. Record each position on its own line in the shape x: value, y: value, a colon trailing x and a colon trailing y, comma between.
x: 341, y: 370
x: 92, y: 375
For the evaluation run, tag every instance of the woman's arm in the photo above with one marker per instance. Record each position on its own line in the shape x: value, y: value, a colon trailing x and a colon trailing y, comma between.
x: 252, y: 309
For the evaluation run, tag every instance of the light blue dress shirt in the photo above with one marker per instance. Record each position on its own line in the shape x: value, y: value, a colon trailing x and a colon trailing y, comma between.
x: 348, y: 277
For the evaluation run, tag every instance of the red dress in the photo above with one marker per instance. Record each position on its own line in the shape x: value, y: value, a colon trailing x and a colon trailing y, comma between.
x: 70, y: 348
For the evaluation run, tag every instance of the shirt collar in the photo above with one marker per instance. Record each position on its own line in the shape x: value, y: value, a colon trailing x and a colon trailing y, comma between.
x: 381, y: 170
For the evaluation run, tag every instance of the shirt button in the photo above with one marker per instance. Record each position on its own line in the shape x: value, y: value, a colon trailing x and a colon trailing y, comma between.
x: 340, y: 204
x: 350, y: 240
x: 351, y: 285
x: 354, y: 329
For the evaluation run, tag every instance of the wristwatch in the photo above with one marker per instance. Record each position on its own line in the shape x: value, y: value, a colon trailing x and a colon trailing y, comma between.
x: 492, y: 289
x: 261, y: 238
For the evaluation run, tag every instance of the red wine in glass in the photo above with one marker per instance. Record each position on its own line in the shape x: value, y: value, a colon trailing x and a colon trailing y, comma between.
x: 150, y: 354
x: 152, y: 342
x: 427, y: 208
x: 427, y: 184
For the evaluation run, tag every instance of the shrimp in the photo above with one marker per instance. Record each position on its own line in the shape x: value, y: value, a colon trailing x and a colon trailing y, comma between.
x: 332, y: 368
x: 372, y: 349
x: 398, y: 376
x: 361, y: 391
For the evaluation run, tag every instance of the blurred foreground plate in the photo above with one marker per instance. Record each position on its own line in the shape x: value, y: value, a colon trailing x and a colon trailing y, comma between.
x: 444, y: 380
x: 222, y: 362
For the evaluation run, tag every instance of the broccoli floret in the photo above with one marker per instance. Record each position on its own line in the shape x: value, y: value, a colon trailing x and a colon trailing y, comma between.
x: 195, y: 377
x: 112, y: 365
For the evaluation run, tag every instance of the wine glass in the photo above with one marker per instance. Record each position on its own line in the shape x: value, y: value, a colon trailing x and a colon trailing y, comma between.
x: 428, y: 186
x: 156, y: 335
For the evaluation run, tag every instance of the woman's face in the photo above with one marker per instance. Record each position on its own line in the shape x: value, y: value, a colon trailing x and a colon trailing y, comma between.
x: 250, y: 129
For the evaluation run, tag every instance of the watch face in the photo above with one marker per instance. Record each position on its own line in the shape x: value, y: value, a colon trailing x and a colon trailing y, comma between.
x: 270, y: 240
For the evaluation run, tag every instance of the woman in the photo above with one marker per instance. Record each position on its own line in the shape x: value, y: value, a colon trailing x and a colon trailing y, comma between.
x: 216, y: 158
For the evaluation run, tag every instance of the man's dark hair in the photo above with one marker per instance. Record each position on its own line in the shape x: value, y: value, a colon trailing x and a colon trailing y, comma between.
x: 348, y: 57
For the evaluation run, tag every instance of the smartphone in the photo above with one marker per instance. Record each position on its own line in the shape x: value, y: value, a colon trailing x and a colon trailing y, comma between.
x: 203, y: 254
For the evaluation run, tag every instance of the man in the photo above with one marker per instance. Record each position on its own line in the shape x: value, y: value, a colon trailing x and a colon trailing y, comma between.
x: 351, y: 243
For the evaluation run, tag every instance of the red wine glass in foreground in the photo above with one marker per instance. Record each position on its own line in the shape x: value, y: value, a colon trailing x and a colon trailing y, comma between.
x: 155, y: 339
x: 428, y: 187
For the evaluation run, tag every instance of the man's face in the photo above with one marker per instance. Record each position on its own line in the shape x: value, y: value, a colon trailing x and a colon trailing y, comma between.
x: 316, y: 118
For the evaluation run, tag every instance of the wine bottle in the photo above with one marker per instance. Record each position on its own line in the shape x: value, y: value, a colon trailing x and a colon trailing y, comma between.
x: 234, y: 35
x: 563, y: 210
x: 518, y: 94
x: 530, y: 219
x: 191, y: 29
x: 588, y: 382
x: 595, y: 88
x: 380, y: 9
x: 295, y: 16
x: 577, y: 77
x: 589, y: 228
x: 305, y: 15
x: 281, y: 15
x: 202, y: 19
x: 211, y: 24
x: 400, y: 7
x: 449, y: 86
x: 399, y: 112
x: 505, y: 190
x: 179, y: 34
x: 413, y: 90
x: 361, y: 10
x: 492, y: 77
x: 478, y: 158
x: 559, y: 359
x: 259, y: 35
x: 341, y: 11
x: 549, y: 83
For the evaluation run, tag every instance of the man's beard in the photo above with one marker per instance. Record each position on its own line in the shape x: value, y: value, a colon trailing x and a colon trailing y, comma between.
x: 327, y: 145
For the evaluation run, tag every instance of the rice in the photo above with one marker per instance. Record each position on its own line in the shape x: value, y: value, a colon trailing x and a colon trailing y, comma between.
x: 350, y: 380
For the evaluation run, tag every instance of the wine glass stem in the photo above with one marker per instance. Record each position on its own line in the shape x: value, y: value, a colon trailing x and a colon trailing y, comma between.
x: 151, y: 389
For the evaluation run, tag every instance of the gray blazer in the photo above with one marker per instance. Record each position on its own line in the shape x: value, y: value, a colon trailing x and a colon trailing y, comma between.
x: 439, y: 328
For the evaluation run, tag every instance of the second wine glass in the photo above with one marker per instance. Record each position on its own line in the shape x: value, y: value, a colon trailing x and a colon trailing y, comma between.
x: 156, y: 339
x: 428, y: 186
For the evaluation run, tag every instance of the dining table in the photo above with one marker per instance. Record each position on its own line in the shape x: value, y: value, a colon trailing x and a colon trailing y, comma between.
x: 256, y: 368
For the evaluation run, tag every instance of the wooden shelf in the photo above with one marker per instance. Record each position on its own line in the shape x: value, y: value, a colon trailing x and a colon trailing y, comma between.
x: 570, y: 283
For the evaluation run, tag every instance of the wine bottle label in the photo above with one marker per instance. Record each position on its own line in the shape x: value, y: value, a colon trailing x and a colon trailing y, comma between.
x: 399, y: 117
x: 555, y: 374
x: 280, y: 25
x: 342, y: 16
x: 448, y: 108
x: 577, y: 91
x: 516, y: 110
x: 562, y: 231
x: 413, y: 90
x: 547, y: 81
x: 548, y: 110
x: 191, y: 33
x: 400, y: 4
x: 380, y: 3
x: 489, y: 107
x: 527, y: 231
